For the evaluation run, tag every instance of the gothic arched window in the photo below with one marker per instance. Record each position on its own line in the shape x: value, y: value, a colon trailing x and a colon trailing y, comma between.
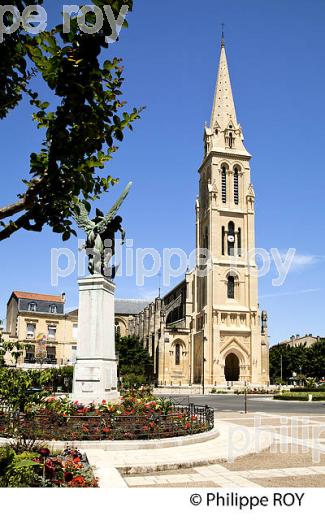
x: 224, y: 184
x: 236, y: 186
x: 231, y: 287
x: 239, y: 242
x: 206, y: 239
x: 223, y: 235
x: 231, y: 239
x: 177, y: 354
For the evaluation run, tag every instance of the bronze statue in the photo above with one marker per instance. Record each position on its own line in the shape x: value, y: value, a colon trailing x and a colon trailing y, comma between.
x: 100, y: 242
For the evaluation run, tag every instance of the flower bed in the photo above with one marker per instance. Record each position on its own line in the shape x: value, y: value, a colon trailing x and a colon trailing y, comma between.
x: 132, y: 419
x: 41, y: 469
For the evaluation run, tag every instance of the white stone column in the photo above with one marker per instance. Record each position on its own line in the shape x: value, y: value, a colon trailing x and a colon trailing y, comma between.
x: 95, y: 373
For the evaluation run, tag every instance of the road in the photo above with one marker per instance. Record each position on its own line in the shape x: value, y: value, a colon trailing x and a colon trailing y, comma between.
x: 235, y: 403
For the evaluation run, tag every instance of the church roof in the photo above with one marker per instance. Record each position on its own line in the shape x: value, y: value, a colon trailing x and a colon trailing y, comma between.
x: 130, y: 306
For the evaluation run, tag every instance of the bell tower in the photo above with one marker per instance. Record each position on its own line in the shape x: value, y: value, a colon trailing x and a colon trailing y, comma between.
x: 228, y: 327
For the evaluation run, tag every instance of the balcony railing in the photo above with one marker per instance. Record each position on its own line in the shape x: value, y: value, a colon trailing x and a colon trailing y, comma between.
x: 46, y: 361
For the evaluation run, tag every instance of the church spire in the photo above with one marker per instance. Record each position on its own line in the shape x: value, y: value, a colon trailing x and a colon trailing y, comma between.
x: 225, y: 133
x: 223, y: 111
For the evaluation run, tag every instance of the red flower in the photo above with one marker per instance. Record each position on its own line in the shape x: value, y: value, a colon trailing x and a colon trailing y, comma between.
x: 44, y: 452
x: 68, y: 476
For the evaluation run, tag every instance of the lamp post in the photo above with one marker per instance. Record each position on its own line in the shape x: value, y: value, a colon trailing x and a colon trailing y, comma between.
x: 117, y: 354
x: 203, y: 362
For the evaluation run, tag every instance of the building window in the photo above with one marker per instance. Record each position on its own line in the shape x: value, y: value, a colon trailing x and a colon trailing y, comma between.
x: 206, y: 239
x: 51, y: 354
x: 53, y: 309
x: 30, y: 354
x: 75, y: 331
x: 177, y: 354
x: 32, y: 307
x: 239, y: 241
x: 51, y: 332
x: 31, y: 330
x: 231, y: 239
x: 224, y: 184
x: 117, y: 328
x: 236, y: 186
x: 231, y: 287
x: 223, y: 236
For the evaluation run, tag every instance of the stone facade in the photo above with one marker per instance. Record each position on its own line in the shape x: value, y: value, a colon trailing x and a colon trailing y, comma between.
x: 307, y: 341
x: 33, y: 317
x: 208, y: 330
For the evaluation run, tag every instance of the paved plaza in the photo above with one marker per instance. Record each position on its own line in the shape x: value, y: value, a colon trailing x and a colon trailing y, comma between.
x: 288, y: 462
x: 269, y: 450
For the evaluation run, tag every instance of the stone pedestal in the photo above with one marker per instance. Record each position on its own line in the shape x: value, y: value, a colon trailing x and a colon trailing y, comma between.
x: 95, y: 373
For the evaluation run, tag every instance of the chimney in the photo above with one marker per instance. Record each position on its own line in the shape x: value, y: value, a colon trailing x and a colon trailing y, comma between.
x: 63, y: 297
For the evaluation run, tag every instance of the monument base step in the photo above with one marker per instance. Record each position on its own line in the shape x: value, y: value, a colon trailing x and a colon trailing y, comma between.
x: 110, y: 397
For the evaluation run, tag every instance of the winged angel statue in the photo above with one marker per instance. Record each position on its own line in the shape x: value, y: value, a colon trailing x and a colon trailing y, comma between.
x: 100, y: 242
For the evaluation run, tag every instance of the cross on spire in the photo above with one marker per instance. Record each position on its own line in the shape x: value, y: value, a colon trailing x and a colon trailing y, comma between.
x: 222, y: 35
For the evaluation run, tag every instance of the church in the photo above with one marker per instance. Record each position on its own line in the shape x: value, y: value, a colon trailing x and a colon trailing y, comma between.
x: 208, y: 330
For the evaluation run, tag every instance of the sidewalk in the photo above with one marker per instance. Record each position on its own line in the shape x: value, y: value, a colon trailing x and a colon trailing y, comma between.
x: 234, y: 441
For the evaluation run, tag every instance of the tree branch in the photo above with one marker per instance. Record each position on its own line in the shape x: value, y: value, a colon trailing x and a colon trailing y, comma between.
x: 20, y: 205
x: 12, y: 209
x: 15, y: 226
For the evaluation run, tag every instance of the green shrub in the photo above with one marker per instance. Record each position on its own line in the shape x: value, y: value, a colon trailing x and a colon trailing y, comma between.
x: 20, y: 470
x: 6, y: 456
x: 319, y: 397
x: 310, y: 390
x: 131, y: 380
x: 291, y: 397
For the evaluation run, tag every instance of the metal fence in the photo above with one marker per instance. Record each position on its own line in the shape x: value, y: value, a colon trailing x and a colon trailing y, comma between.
x: 179, y: 421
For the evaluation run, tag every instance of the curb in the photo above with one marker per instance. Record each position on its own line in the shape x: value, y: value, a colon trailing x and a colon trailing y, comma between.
x: 138, y: 470
x: 171, y: 442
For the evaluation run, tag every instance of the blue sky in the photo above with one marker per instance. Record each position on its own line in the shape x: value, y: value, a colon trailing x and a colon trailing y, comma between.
x: 275, y: 53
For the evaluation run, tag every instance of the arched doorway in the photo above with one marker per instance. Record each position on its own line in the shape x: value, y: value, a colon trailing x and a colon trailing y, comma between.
x: 232, y: 368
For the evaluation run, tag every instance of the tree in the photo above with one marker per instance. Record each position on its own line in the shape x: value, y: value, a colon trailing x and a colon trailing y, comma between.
x: 16, y: 387
x: 134, y: 360
x: 310, y: 361
x: 81, y: 132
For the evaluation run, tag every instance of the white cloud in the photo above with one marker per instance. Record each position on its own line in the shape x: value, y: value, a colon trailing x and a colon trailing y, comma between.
x: 300, y: 261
